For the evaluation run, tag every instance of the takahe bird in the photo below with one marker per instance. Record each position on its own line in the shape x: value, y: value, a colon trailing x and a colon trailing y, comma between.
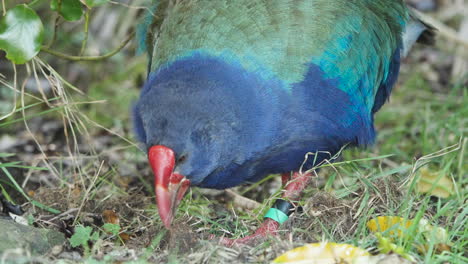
x: 240, y: 89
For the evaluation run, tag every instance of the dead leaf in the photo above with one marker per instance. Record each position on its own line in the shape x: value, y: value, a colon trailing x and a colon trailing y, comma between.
x: 398, y: 225
x: 324, y: 253
x: 392, y: 223
x: 111, y: 217
x: 31, y: 193
x: 435, y: 183
x: 124, y: 237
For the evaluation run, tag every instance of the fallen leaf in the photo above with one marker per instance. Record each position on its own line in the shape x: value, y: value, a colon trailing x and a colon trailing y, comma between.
x: 110, y: 217
x: 323, y: 253
x: 435, y: 183
x: 76, y: 192
x: 442, y: 247
x: 391, y: 223
x: 125, y: 237
x: 394, y: 225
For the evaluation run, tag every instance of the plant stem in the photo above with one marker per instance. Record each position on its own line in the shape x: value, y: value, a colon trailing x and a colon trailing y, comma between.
x: 89, y: 58
x: 3, y: 7
x: 86, y: 29
x: 54, y: 32
x: 33, y: 2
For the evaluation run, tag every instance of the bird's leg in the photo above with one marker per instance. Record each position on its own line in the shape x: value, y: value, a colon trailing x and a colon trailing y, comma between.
x: 285, y: 177
x: 279, y: 212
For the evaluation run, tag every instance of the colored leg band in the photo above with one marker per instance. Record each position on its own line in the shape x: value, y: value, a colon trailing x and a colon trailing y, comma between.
x: 280, y: 211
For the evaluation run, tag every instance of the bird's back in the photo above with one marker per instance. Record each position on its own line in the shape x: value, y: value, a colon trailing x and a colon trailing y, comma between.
x: 353, y: 41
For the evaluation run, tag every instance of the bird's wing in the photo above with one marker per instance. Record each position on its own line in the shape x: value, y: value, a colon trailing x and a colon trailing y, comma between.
x: 417, y: 30
x: 352, y: 41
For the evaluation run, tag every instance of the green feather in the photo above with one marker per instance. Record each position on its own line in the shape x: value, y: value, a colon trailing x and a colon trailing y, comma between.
x: 349, y: 40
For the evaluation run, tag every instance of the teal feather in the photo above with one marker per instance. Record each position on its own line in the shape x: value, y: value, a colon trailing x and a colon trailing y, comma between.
x: 144, y: 36
x: 298, y: 32
x: 272, y: 79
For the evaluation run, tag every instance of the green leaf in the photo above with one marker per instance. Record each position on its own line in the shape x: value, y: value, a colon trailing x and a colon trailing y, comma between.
x: 71, y: 10
x: 21, y: 34
x: 93, y: 3
x: 81, y: 237
x: 111, y: 228
x: 94, y: 236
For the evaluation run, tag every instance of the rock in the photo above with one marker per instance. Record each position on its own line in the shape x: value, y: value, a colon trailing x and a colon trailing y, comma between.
x: 36, y: 240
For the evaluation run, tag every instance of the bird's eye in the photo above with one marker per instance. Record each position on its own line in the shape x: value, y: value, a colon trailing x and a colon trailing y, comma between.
x: 181, y: 158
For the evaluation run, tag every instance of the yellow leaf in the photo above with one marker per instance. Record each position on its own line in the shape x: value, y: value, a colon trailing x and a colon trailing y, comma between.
x: 395, y: 225
x: 392, y: 223
x: 323, y: 253
x: 435, y: 184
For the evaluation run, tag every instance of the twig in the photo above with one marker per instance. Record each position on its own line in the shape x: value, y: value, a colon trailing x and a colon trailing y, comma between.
x: 68, y: 212
x: 89, y: 58
x: 39, y: 146
x: 242, y: 201
x: 13, y: 110
x: 86, y: 195
x: 54, y: 32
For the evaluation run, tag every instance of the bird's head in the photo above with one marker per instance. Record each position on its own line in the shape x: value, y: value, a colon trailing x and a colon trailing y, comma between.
x: 190, y: 134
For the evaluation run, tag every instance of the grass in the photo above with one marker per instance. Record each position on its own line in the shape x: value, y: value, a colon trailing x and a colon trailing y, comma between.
x: 415, y: 132
x: 434, y: 131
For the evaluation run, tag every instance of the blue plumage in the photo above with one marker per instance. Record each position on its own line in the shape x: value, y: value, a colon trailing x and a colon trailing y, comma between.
x: 235, y: 106
x: 237, y: 134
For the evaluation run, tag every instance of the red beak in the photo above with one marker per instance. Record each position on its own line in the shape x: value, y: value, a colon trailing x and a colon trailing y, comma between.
x: 170, y: 187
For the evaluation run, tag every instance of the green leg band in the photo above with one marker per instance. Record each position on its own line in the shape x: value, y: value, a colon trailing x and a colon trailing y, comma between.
x: 280, y: 211
x: 277, y: 215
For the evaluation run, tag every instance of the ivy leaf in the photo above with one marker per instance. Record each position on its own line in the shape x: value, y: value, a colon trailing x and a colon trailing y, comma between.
x: 21, y: 34
x: 71, y: 10
x: 93, y: 3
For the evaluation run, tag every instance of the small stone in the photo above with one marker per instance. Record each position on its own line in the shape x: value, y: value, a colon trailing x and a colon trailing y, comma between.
x: 56, y: 250
x: 7, y: 142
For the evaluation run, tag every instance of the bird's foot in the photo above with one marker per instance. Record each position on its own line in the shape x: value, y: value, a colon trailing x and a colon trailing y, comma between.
x: 293, y: 186
x: 269, y: 227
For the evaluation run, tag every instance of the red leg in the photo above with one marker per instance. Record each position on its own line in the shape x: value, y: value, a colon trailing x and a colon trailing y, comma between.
x: 268, y: 227
x: 292, y: 191
x: 285, y: 177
